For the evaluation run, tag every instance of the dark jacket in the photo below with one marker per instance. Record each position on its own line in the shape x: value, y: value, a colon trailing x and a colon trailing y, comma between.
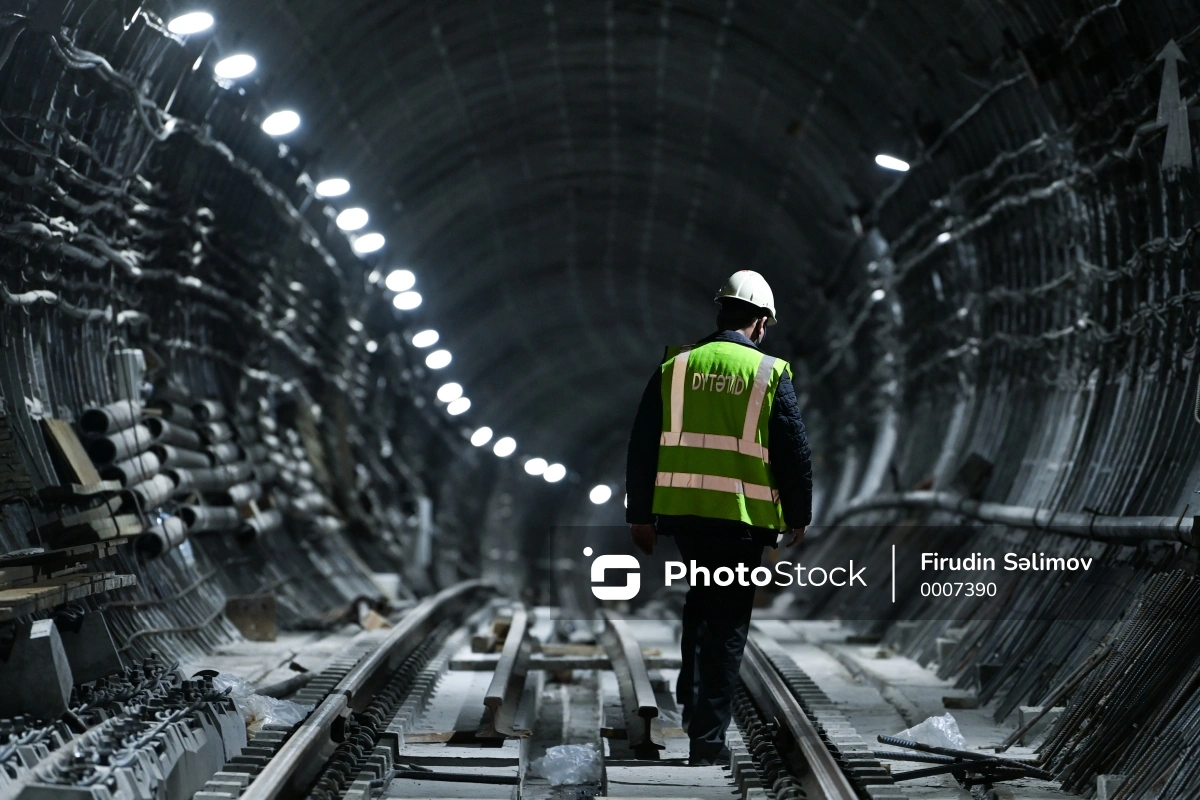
x: 791, y: 462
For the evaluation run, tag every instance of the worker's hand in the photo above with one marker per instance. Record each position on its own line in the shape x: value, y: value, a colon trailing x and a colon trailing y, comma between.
x: 644, y: 536
x: 797, y: 536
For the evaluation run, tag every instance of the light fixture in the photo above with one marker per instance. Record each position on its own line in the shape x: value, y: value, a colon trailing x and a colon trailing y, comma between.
x: 407, y: 301
x: 352, y: 219
x: 449, y: 391
x: 400, y: 280
x: 368, y: 243
x: 355, y: 325
x: 192, y: 22
x: 891, y: 162
x: 482, y: 436
x: 878, y: 295
x: 438, y: 359
x: 372, y: 346
x: 235, y: 66
x: 600, y: 494
x: 943, y: 237
x: 425, y: 338
x: 333, y: 187
x: 505, y: 447
x: 281, y: 123
x: 536, y: 466
x: 554, y: 473
x: 458, y: 406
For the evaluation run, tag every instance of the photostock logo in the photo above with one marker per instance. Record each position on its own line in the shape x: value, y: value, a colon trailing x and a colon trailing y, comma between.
x: 633, y: 581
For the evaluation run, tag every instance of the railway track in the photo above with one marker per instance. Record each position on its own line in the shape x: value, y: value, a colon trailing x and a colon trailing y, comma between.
x: 466, y: 695
x: 423, y: 713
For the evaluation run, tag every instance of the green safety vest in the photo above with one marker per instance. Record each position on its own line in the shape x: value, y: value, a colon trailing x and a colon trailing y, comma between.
x: 713, y: 453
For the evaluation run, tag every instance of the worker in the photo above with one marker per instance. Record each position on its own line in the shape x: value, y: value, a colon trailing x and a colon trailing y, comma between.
x: 719, y: 459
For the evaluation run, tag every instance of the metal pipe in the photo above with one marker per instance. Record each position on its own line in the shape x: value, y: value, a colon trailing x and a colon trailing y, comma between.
x: 216, y: 479
x: 171, y: 456
x: 241, y: 493
x: 209, y: 410
x: 177, y: 413
x: 168, y: 433
x: 226, y: 453
x: 260, y: 524
x: 103, y: 420
x: 121, y: 445
x: 265, y: 472
x: 133, y: 470
x: 199, y: 519
x: 216, y: 432
x: 1069, y: 523
x: 154, y: 492
x: 166, y: 535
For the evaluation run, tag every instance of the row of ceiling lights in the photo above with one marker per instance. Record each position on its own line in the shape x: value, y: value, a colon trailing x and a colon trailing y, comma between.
x: 401, y: 282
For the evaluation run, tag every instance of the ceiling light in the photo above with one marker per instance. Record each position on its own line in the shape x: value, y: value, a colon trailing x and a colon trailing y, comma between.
x: 193, y: 22
x: 281, y: 123
x: 505, y: 447
x: 333, y: 187
x: 368, y: 243
x: 891, y: 162
x: 236, y: 66
x: 407, y: 301
x: 600, y: 494
x: 400, y: 280
x: 352, y: 219
x: 438, y: 359
x: 554, y: 473
x: 482, y: 436
x: 372, y: 346
x: 425, y: 338
x: 536, y: 466
x: 943, y: 237
x: 354, y: 324
x: 449, y: 391
x: 878, y: 295
x: 458, y: 406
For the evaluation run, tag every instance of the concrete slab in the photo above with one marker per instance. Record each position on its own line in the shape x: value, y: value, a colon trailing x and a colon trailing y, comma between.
x: 670, y: 780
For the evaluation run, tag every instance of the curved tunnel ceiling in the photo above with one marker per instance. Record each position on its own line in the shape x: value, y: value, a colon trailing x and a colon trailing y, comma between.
x: 571, y: 181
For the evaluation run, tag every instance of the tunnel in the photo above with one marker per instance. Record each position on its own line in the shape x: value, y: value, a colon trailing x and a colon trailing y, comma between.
x: 327, y: 330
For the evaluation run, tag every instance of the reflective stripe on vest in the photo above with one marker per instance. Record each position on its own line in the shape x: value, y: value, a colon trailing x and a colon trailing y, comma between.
x: 748, y: 444
x: 677, y: 387
x: 716, y: 483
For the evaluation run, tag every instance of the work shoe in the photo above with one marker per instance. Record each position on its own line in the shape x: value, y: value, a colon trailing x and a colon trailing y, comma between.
x: 719, y: 759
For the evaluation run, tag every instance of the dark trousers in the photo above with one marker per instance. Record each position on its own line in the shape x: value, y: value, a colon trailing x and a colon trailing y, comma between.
x: 716, y: 622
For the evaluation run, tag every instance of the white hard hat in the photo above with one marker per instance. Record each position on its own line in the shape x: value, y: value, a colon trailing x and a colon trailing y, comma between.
x: 750, y: 287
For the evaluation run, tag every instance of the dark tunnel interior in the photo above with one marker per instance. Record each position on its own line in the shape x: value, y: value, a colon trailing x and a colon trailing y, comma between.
x: 979, y: 219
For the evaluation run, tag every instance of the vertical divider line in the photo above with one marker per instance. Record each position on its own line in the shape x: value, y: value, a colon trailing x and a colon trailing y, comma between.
x: 893, y: 573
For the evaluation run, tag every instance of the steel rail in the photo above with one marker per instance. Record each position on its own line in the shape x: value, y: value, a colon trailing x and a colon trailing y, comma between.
x: 305, y: 752
x: 1085, y: 525
x: 504, y: 693
x: 633, y: 680
x: 772, y: 694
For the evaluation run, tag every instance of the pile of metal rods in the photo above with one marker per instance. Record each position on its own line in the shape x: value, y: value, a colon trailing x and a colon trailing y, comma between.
x: 1128, y: 714
x: 970, y: 768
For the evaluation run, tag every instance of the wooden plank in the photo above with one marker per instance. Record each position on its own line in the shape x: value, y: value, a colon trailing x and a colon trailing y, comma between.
x: 16, y: 602
x: 76, y: 492
x: 70, y: 459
